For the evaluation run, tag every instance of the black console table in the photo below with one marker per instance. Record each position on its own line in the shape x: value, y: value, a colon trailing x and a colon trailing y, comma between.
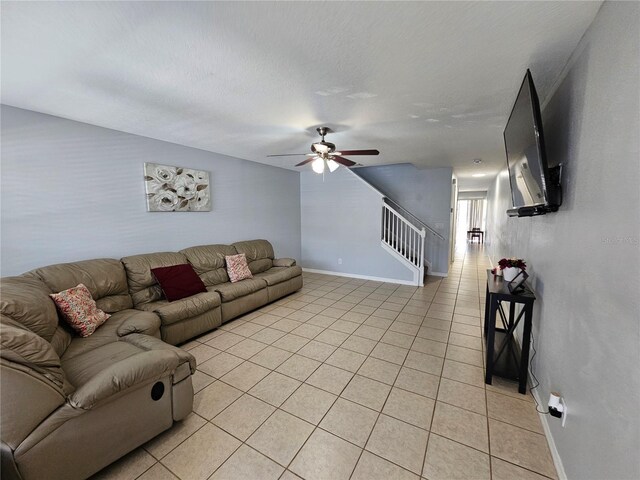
x: 502, y: 349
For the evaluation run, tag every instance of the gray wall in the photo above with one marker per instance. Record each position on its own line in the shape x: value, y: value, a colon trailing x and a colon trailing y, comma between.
x: 341, y: 218
x: 426, y: 193
x: 72, y: 191
x: 585, y: 258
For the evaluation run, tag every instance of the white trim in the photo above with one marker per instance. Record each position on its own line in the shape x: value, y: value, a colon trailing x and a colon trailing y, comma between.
x: 422, y: 232
x: 362, y: 277
x: 544, y: 419
x: 428, y: 264
x: 399, y: 256
x: 437, y: 274
x: 417, y: 281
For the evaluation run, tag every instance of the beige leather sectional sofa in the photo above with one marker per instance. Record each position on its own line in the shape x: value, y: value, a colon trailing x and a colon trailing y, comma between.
x: 71, y: 405
x: 187, y: 318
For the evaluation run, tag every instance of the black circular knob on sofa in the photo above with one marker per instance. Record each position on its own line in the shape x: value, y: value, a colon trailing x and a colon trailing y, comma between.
x: 157, y: 391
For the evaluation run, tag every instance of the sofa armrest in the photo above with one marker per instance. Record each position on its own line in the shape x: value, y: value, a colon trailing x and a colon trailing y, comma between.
x: 145, y: 342
x: 144, y: 367
x: 147, y: 323
x: 178, y: 310
x: 284, y: 262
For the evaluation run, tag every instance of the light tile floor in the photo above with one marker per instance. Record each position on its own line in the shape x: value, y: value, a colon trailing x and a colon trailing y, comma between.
x: 352, y: 379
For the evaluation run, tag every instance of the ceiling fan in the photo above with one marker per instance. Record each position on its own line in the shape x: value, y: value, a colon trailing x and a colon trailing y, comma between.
x: 325, y: 155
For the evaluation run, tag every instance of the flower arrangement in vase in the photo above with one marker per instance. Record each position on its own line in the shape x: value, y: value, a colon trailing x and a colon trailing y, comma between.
x: 511, y: 267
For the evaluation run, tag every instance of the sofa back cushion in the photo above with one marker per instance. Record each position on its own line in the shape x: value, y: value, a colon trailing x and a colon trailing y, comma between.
x: 79, y: 309
x: 178, y: 281
x: 237, y: 267
x: 143, y: 286
x: 25, y: 300
x: 22, y: 346
x: 208, y: 262
x: 259, y: 254
x: 62, y: 338
x: 105, y: 278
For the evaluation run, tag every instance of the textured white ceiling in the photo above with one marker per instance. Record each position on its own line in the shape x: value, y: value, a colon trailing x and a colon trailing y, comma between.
x: 431, y: 83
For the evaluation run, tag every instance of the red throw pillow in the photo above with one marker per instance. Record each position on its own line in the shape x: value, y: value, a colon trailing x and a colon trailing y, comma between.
x: 79, y: 309
x: 237, y: 267
x: 178, y: 281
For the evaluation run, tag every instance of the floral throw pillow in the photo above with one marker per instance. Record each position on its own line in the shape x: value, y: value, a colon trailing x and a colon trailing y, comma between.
x: 79, y: 309
x: 237, y: 267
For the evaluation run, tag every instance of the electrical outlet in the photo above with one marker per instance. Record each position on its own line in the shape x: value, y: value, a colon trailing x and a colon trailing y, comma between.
x: 339, y: 261
x: 558, y: 407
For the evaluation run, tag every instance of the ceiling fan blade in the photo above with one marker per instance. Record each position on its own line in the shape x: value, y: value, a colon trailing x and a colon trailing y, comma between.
x: 306, y: 161
x: 343, y: 161
x: 359, y: 152
x: 287, y: 155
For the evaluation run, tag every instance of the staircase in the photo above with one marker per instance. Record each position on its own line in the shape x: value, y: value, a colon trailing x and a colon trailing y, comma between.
x: 403, y: 235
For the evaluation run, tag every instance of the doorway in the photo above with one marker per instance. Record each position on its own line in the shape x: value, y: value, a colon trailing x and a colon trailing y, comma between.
x: 472, y: 213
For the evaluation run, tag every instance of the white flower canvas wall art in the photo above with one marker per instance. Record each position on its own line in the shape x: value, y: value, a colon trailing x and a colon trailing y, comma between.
x: 176, y: 189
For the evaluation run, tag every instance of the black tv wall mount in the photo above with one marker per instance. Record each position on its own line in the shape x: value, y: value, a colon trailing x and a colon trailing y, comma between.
x: 555, y: 197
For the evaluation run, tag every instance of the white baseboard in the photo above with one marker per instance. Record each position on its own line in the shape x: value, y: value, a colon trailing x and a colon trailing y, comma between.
x: 412, y: 268
x: 361, y: 277
x: 437, y: 274
x: 544, y: 419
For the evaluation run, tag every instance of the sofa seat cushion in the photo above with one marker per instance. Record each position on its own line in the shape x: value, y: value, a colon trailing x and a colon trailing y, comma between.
x: 83, y: 367
x: 171, y: 312
x: 230, y: 291
x: 120, y: 323
x: 277, y: 275
x: 111, y: 368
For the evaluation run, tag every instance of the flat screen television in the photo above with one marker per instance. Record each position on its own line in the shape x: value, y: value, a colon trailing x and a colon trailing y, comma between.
x: 535, y: 188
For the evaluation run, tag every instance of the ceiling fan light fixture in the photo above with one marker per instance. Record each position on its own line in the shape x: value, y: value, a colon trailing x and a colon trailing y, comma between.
x: 321, y: 148
x: 333, y: 165
x: 318, y: 165
x: 324, y: 155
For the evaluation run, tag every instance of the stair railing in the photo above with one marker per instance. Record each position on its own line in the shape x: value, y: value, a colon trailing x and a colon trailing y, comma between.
x: 403, y: 237
x: 407, y: 214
